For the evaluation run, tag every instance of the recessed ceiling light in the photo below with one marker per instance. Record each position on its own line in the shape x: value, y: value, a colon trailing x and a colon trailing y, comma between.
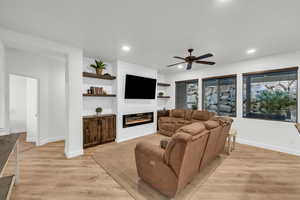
x: 251, y: 51
x: 126, y: 48
x: 180, y: 66
x: 224, y: 1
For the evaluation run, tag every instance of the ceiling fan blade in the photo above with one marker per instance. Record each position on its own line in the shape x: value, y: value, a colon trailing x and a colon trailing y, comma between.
x: 179, y: 57
x: 205, y: 62
x: 175, y: 64
x: 204, y: 56
x: 189, y: 66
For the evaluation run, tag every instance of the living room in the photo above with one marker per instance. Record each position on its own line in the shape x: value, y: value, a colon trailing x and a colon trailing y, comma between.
x: 149, y: 100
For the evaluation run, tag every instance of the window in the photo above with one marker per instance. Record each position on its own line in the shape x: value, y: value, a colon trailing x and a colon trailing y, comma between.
x: 271, y: 94
x: 187, y: 94
x: 219, y: 95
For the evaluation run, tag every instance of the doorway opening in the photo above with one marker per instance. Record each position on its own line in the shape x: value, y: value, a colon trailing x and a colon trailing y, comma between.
x: 23, y: 107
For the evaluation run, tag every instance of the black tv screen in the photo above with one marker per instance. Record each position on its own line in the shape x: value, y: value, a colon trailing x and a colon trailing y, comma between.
x: 137, y: 87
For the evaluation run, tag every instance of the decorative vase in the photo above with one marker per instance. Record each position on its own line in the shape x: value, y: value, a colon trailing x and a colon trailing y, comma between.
x: 99, y: 71
x: 98, y: 114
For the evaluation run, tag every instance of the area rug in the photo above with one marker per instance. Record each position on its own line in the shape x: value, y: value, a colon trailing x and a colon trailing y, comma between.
x: 119, y: 162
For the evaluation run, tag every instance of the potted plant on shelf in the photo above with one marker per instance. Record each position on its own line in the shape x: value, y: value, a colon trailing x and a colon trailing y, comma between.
x: 98, y: 111
x: 99, y: 66
x: 160, y: 94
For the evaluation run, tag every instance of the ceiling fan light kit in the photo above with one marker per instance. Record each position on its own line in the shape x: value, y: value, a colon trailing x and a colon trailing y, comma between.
x: 193, y: 59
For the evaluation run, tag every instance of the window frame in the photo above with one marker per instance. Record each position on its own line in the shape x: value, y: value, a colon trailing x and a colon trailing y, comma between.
x: 218, y: 78
x: 263, y: 72
x: 187, y: 81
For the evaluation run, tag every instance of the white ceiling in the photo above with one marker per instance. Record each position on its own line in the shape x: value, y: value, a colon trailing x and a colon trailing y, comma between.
x: 157, y: 30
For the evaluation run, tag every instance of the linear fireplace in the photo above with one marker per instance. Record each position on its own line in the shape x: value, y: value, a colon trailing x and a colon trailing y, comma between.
x: 137, y: 119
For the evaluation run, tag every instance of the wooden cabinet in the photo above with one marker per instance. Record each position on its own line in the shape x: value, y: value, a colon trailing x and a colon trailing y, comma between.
x: 98, y: 129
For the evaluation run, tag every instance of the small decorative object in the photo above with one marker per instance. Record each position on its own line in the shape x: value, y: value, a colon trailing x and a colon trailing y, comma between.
x: 99, y: 66
x: 160, y: 94
x: 98, y: 111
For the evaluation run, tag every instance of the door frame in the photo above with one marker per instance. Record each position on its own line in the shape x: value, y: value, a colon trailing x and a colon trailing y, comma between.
x: 37, y: 139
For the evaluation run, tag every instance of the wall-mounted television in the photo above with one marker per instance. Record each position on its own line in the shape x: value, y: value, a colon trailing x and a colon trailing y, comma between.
x: 137, y: 87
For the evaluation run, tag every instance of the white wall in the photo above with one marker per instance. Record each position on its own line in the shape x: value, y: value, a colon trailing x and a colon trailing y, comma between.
x: 281, y: 136
x: 50, y: 72
x: 131, y: 106
x: 91, y: 103
x: 32, y: 109
x: 3, y: 119
x: 73, y: 80
x: 17, y: 104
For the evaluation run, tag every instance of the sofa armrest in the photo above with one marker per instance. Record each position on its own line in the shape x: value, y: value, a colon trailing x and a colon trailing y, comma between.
x: 150, y: 151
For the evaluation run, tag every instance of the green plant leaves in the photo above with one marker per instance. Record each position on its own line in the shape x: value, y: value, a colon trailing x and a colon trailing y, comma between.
x: 99, y: 65
x: 274, y: 102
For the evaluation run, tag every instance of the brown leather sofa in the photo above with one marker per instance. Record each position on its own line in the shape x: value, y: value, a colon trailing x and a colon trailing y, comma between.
x: 178, y: 118
x: 190, y: 149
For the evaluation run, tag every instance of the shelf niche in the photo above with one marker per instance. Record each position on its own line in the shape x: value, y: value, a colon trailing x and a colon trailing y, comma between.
x: 93, y: 75
x: 164, y: 84
x: 99, y: 95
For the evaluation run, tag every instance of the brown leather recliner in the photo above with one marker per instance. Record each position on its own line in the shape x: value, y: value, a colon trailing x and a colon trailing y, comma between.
x: 170, y: 170
x: 192, y: 148
x: 178, y: 118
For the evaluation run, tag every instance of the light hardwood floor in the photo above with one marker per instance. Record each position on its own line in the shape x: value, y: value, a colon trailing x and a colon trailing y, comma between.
x: 250, y: 173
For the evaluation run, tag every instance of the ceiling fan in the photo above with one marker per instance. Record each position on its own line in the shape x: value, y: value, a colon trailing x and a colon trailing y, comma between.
x: 193, y: 59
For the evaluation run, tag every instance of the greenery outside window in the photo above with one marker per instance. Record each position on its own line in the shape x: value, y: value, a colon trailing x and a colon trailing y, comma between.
x: 219, y: 95
x: 271, y: 95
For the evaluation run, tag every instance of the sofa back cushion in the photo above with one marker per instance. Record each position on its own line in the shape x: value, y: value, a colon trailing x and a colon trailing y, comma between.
x: 210, y: 124
x: 175, y: 151
x: 177, y: 113
x: 188, y: 115
x: 201, y: 115
x: 193, y: 129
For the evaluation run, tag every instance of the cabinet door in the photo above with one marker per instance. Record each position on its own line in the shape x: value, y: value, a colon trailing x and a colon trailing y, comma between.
x: 108, y: 129
x: 90, y: 132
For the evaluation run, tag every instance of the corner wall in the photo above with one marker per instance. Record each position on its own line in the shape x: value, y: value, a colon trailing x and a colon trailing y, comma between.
x: 131, y: 106
x: 3, y: 120
x: 280, y: 136
x: 50, y: 73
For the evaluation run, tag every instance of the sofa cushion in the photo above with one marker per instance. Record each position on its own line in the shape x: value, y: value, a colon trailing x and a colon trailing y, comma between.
x: 210, y: 124
x: 193, y: 129
x: 201, y: 115
x: 188, y: 115
x: 173, y: 120
x: 177, y: 113
x: 167, y: 126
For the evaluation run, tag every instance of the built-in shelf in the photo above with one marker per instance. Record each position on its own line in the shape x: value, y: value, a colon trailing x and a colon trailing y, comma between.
x: 164, y: 84
x: 93, y: 75
x: 164, y: 97
x: 99, y: 95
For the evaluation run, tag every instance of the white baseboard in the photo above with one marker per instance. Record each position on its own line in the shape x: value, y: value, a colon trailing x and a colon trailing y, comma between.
x: 48, y: 140
x: 32, y: 139
x: 268, y: 146
x: 118, y: 140
x: 74, y: 154
x: 18, y: 130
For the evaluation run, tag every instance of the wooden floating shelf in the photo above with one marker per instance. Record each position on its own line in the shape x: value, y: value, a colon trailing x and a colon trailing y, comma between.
x: 164, y: 97
x: 99, y: 95
x: 164, y: 84
x: 93, y: 75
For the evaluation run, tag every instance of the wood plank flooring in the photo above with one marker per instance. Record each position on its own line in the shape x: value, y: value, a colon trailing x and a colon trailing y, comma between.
x: 249, y: 173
